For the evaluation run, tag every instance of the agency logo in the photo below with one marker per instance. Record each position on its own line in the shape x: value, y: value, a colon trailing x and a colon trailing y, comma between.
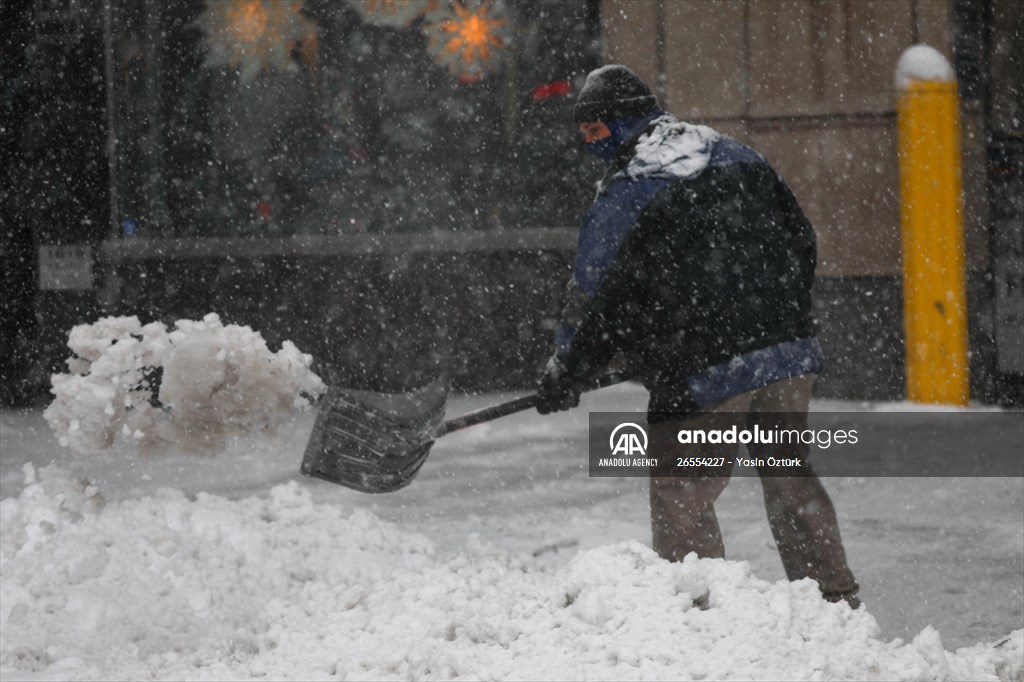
x: 628, y: 439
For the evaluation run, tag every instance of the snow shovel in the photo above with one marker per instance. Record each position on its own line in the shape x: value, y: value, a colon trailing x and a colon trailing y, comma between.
x: 377, y: 442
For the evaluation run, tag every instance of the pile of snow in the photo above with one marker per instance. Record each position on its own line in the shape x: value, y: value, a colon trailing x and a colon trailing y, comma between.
x: 147, y: 386
x: 284, y: 588
x: 922, y: 63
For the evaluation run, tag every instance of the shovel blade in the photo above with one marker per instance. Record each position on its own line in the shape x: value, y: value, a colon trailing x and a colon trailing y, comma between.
x: 374, y: 442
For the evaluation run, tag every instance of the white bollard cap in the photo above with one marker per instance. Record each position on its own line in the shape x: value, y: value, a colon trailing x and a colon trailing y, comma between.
x: 922, y: 63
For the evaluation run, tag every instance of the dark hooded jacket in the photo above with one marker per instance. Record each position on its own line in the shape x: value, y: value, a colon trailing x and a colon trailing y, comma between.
x: 696, y: 263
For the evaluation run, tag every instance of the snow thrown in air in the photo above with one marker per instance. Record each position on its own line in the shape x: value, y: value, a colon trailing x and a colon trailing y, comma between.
x: 214, y: 381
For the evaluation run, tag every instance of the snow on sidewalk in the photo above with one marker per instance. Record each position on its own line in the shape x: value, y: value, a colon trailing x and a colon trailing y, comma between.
x: 282, y: 587
x: 166, y: 568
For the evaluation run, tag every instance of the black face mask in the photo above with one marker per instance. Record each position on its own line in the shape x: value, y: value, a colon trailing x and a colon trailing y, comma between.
x: 603, y: 149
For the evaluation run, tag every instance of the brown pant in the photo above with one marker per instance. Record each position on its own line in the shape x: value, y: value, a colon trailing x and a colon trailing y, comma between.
x: 800, y: 512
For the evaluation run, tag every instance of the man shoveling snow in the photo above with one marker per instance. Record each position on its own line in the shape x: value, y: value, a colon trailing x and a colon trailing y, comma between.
x: 696, y: 264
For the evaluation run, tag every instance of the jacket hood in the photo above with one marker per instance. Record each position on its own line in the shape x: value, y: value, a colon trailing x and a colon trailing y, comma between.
x: 669, y: 148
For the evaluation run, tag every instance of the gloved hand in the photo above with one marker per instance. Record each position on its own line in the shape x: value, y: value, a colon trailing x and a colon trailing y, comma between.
x: 556, y: 392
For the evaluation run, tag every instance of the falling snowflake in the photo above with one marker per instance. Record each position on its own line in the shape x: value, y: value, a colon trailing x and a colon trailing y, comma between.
x: 253, y: 34
x: 467, y: 36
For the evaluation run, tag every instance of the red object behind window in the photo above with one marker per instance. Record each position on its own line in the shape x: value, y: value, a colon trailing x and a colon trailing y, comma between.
x: 264, y: 210
x: 546, y: 91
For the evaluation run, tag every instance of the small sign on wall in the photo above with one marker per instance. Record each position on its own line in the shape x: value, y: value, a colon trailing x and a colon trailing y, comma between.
x: 65, y: 267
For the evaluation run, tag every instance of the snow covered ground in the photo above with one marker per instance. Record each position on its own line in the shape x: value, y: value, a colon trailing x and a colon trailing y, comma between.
x: 503, y: 560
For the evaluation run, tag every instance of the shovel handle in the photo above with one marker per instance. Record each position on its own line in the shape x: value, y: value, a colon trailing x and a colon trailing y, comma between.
x: 486, y: 414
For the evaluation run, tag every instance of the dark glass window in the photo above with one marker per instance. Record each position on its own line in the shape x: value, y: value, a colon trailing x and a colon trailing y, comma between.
x: 249, y: 118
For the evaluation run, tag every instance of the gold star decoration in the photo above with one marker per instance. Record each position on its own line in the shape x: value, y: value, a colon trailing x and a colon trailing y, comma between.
x: 468, y: 37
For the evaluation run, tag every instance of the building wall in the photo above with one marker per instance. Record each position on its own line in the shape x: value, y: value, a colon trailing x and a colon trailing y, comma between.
x: 810, y: 85
x: 1006, y: 192
x: 55, y: 187
x: 1007, y: 66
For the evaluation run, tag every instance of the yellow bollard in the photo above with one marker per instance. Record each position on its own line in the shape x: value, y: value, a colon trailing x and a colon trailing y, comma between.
x: 934, y: 269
